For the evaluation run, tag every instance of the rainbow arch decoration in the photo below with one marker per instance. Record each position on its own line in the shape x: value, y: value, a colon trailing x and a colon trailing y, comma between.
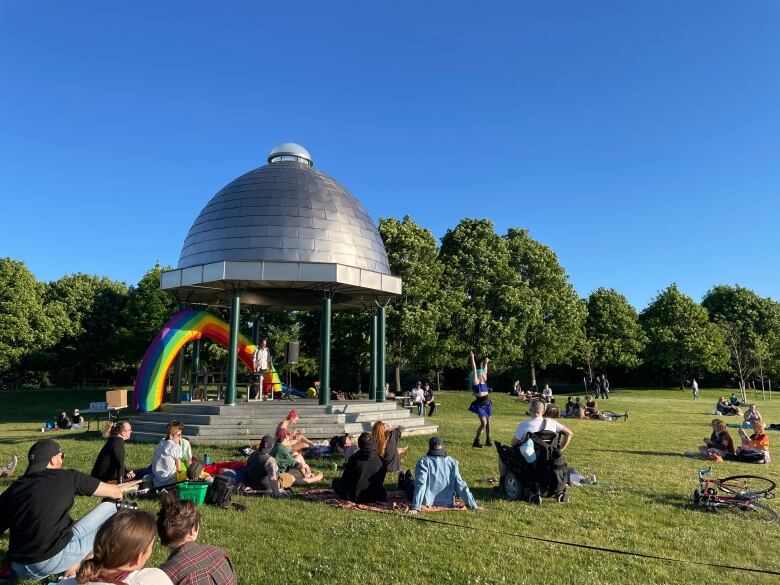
x: 185, y: 326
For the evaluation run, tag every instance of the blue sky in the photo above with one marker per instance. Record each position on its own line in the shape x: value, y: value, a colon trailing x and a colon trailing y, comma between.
x: 641, y: 141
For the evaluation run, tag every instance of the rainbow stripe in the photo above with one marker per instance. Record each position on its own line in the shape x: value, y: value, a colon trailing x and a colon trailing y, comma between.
x: 183, y: 327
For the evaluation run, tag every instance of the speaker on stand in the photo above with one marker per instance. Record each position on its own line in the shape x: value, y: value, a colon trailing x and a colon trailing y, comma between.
x: 292, y: 352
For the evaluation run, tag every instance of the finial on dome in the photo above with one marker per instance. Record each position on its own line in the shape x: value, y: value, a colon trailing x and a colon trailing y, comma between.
x: 289, y: 151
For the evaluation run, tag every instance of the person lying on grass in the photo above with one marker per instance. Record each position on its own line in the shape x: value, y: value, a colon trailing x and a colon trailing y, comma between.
x: 363, y: 478
x: 719, y: 443
x: 122, y: 546
x: 190, y: 563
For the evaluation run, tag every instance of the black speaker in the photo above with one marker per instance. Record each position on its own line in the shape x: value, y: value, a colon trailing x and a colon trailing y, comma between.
x: 291, y: 352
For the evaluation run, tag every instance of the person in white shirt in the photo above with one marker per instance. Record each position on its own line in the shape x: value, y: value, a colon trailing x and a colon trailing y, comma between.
x: 417, y: 396
x: 547, y: 393
x: 261, y: 359
x: 534, y: 425
x: 166, y: 461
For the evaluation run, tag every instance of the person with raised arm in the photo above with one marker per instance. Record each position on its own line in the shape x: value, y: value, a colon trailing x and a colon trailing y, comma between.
x: 482, y: 406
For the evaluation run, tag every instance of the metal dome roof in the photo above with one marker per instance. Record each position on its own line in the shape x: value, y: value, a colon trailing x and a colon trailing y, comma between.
x: 285, y: 211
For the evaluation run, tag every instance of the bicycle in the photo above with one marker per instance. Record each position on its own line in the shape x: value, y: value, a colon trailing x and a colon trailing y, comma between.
x: 737, y: 494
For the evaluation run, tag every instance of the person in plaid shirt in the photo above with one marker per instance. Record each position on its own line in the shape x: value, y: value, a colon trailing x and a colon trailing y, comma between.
x: 190, y: 563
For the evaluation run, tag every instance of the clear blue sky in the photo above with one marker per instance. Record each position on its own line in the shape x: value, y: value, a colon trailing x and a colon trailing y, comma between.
x: 640, y: 140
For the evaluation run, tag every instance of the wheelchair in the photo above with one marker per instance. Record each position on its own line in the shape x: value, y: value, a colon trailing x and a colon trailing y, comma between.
x: 546, y: 477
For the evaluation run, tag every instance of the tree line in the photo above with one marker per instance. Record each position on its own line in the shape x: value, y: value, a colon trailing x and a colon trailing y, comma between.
x: 501, y: 295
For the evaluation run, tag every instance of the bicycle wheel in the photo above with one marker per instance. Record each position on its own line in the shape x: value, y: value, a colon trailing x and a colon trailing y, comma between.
x: 746, y: 485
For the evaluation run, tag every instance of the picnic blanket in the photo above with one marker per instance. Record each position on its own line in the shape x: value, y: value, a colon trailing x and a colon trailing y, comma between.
x: 774, y: 427
x: 396, y: 501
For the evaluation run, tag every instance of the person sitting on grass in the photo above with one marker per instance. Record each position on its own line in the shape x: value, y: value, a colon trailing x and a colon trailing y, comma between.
x: 733, y: 400
x: 167, y: 465
x: 122, y: 546
x: 110, y: 463
x: 289, y: 461
x: 591, y: 408
x: 295, y: 441
x: 63, y: 422
x: 726, y: 409
x: 386, y: 439
x: 751, y: 414
x: 571, y: 408
x: 77, y: 421
x: 343, y: 444
x: 719, y: 444
x: 190, y: 563
x: 262, y: 471
x: 551, y: 410
x: 44, y: 540
x: 8, y: 470
x: 755, y: 448
x: 364, y: 474
x: 437, y: 480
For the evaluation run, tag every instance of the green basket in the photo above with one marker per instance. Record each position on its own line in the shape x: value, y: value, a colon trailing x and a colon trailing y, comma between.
x: 194, y: 491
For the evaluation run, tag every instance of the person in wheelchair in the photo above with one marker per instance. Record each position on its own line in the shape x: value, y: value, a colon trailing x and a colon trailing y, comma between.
x: 533, y: 466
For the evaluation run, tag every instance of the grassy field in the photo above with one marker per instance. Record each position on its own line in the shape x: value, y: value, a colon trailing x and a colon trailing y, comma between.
x: 642, y: 503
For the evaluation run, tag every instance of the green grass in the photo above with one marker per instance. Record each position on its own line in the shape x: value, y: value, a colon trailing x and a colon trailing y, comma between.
x: 642, y: 503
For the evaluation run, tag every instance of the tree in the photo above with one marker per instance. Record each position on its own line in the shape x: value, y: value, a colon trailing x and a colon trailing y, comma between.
x: 555, y: 322
x: 148, y: 308
x: 27, y: 323
x: 680, y: 335
x: 613, y: 327
x: 413, y: 319
x: 496, y: 306
x: 749, y: 323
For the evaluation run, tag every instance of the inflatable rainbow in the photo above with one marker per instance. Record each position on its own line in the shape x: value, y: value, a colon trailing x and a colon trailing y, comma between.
x: 183, y: 327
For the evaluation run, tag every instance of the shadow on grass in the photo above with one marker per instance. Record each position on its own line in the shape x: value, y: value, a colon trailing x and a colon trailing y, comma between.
x: 652, y: 453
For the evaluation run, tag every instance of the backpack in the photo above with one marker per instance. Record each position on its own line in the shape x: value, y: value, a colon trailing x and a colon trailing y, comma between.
x: 549, y: 471
x: 220, y: 491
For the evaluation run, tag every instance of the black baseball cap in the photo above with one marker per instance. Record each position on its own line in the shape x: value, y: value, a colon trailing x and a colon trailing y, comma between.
x: 436, y: 447
x: 40, y: 454
x: 266, y: 444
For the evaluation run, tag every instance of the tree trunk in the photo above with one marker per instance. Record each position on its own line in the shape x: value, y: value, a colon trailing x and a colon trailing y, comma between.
x: 358, y: 380
x: 533, y: 375
x: 397, y: 371
x: 438, y: 381
x: 682, y: 379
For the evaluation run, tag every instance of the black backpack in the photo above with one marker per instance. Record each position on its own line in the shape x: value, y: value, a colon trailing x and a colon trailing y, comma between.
x: 220, y: 491
x: 549, y: 471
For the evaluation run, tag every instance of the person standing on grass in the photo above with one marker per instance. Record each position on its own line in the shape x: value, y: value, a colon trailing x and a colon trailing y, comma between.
x: 604, y: 387
x: 190, y: 563
x: 482, y: 405
x: 695, y: 390
x: 44, y: 539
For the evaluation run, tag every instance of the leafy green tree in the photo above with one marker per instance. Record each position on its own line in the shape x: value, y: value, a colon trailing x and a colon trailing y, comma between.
x: 90, y: 344
x: 27, y: 323
x: 413, y: 319
x: 496, y: 307
x: 749, y: 324
x: 555, y: 321
x: 148, y: 308
x: 680, y: 335
x: 612, y: 325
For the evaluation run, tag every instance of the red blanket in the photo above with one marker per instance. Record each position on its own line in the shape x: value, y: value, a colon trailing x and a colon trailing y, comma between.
x: 395, y: 501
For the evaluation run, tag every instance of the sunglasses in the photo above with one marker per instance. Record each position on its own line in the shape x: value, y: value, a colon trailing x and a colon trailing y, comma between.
x: 61, y: 454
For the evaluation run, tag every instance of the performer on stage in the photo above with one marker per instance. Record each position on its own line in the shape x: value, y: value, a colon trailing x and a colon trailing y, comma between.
x: 262, y: 362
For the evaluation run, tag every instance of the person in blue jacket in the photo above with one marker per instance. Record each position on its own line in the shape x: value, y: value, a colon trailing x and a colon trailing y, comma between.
x: 437, y: 480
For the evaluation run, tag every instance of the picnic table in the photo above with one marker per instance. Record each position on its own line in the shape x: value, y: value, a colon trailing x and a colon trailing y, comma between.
x: 98, y: 409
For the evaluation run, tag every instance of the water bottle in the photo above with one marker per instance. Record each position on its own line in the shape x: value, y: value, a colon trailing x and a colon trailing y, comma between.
x: 206, y: 459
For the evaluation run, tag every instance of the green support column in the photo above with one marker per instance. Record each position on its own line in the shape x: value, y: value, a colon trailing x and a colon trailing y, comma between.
x: 381, y: 395
x: 194, y: 367
x: 373, y: 382
x: 178, y: 369
x: 235, y: 310
x: 325, y: 352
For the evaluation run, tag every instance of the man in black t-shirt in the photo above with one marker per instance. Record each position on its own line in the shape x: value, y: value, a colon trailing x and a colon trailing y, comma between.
x: 44, y: 539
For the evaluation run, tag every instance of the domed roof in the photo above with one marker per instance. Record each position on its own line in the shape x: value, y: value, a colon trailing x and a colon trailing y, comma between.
x: 285, y: 211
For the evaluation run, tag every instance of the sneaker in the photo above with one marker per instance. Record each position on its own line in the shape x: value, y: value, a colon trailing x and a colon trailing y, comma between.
x: 400, y: 479
x: 535, y: 499
x: 626, y: 415
x: 488, y: 443
x: 593, y: 480
x: 408, y: 475
x: 477, y: 444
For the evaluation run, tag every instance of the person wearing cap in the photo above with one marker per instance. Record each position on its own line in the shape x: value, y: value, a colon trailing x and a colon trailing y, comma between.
x: 262, y: 471
x: 417, y: 397
x: 437, y: 480
x: 44, y: 539
x: 364, y: 474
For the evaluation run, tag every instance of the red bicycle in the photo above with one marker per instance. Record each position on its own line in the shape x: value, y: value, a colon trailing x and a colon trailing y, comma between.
x: 737, y: 495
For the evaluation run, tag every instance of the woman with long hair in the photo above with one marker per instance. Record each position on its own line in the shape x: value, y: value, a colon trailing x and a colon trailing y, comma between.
x: 110, y: 463
x: 122, y: 546
x: 482, y: 406
x: 386, y: 439
x: 178, y: 524
x: 720, y: 443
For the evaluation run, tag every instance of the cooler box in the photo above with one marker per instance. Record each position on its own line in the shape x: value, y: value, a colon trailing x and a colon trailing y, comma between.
x: 195, y: 491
